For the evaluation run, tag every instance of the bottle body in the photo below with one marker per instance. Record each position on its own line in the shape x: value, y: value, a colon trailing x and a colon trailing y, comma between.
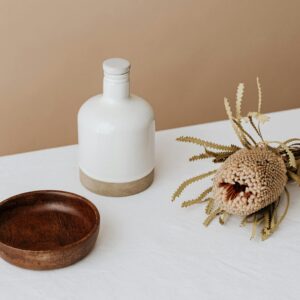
x: 116, y: 141
x: 116, y: 136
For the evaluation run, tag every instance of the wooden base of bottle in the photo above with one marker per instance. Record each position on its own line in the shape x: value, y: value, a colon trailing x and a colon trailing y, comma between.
x: 116, y: 189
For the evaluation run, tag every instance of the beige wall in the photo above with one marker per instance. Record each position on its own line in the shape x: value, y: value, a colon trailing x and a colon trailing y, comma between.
x: 186, y: 56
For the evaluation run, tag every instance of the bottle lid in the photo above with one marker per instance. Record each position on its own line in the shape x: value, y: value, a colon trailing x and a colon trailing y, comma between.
x: 116, y: 66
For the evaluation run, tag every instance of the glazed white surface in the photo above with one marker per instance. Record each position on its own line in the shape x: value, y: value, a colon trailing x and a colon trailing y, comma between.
x: 151, y: 248
x: 116, y: 139
x: 116, y: 130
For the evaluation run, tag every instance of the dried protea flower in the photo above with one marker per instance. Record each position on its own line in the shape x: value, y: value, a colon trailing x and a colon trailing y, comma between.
x: 249, y: 180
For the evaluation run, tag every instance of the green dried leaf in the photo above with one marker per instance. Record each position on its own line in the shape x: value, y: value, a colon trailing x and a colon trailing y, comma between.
x: 287, y: 194
x: 254, y: 226
x: 228, y: 109
x: 235, y: 128
x: 190, y: 181
x: 210, y: 205
x: 199, y: 199
x: 298, y: 167
x: 259, y: 95
x: 239, y: 99
x: 291, y: 140
x: 266, y: 229
x: 244, y: 132
x: 292, y: 159
x: 189, y: 139
x: 269, y: 230
x: 294, y: 176
x: 199, y: 156
x: 274, y: 214
x: 212, y: 215
x: 243, y: 221
x: 257, y: 129
x: 224, y: 218
x: 219, y: 156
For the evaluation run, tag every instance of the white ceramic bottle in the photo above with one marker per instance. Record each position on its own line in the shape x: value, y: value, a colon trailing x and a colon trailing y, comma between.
x: 116, y: 133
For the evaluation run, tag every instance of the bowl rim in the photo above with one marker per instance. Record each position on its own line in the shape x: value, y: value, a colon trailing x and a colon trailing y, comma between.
x: 93, y: 230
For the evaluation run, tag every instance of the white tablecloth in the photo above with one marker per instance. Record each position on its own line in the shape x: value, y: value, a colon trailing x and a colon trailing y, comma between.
x: 150, y: 248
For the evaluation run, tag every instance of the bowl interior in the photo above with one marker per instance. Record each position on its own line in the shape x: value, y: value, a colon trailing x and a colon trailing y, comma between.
x: 45, y: 220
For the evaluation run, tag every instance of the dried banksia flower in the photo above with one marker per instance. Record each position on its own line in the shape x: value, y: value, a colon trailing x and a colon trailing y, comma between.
x: 249, y: 180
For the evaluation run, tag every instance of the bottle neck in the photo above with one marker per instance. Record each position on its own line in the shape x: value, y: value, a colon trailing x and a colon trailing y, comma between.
x: 116, y: 86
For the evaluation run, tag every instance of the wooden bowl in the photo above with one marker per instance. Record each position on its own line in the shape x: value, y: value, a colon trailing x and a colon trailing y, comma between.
x: 43, y: 230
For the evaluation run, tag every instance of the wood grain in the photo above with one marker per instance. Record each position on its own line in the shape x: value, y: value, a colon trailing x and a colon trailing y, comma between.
x: 112, y: 189
x: 47, y: 229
